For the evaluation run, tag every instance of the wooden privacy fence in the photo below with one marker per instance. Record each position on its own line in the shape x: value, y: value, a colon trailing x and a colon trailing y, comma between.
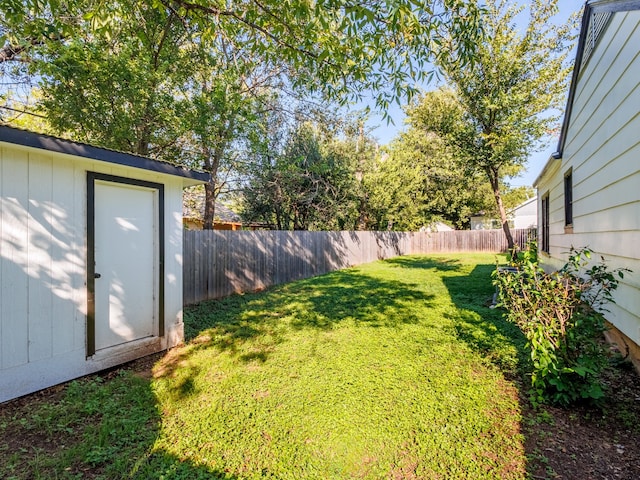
x: 218, y: 263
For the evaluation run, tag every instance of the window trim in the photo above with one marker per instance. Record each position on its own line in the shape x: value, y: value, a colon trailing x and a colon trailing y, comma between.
x: 544, y: 223
x: 568, y: 201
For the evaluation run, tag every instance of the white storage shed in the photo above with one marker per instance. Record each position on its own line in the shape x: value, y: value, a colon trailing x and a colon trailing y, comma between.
x: 90, y: 259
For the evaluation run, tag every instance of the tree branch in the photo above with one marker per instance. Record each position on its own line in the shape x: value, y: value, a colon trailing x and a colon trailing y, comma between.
x: 252, y: 25
x: 11, y: 53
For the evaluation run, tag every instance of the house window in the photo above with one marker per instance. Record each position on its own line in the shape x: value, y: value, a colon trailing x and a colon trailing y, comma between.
x: 568, y: 200
x: 544, y: 233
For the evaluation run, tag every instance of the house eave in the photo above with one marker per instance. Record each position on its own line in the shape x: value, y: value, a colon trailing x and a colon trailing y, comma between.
x: 590, y: 8
x: 551, y: 164
x: 523, y: 204
x: 612, y: 6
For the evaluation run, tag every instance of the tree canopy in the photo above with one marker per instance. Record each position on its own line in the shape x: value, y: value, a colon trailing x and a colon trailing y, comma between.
x: 307, y: 182
x: 185, y: 81
x: 336, y: 48
x: 417, y: 183
x: 199, y: 82
x: 499, y: 106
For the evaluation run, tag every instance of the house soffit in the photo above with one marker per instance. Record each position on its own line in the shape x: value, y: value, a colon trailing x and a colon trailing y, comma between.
x: 595, y: 18
x: 550, y: 168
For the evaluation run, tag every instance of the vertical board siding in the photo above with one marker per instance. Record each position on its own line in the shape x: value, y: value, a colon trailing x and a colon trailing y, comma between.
x: 39, y: 255
x: 173, y: 261
x: 41, y: 258
x: 13, y: 260
x: 64, y: 245
x: 218, y: 263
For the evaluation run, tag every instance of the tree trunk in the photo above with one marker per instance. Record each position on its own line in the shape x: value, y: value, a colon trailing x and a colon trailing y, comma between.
x: 212, y: 161
x: 494, y: 179
x: 209, y: 204
x: 363, y: 220
x: 213, y: 187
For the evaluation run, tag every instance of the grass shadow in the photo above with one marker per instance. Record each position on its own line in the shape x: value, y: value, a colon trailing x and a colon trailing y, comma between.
x: 102, y: 426
x: 427, y: 263
x: 352, y: 295
x: 317, y: 303
x: 487, y: 331
x: 483, y: 328
x: 249, y: 327
x: 169, y: 467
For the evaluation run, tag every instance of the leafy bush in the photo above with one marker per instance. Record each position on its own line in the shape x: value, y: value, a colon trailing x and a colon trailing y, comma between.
x: 561, y: 316
x: 518, y: 257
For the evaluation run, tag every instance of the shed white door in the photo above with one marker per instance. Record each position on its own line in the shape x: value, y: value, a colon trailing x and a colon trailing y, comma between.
x: 125, y: 249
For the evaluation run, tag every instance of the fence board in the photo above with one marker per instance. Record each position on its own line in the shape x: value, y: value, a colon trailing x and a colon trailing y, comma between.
x: 218, y: 263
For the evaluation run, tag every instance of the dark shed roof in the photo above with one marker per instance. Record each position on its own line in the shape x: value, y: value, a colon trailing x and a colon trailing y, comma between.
x: 47, y: 142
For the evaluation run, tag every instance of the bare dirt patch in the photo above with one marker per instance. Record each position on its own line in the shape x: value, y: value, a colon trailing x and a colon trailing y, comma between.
x: 588, y: 442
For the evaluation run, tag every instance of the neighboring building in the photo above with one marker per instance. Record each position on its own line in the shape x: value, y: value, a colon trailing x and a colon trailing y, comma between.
x: 525, y: 215
x: 589, y: 191
x: 193, y: 212
x: 437, y: 227
x: 482, y: 221
x: 90, y: 259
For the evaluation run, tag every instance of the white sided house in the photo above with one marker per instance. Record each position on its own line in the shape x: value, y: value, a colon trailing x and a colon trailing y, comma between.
x: 525, y: 215
x: 90, y: 259
x: 589, y: 191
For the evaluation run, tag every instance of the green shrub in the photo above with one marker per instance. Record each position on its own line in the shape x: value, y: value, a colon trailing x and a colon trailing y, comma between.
x: 517, y: 257
x: 561, y: 316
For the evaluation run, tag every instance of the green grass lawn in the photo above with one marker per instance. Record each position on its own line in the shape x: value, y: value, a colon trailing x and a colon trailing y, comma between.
x: 393, y: 370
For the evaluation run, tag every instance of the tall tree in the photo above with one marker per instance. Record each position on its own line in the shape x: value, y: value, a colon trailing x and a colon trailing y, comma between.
x: 335, y: 47
x: 417, y: 183
x: 148, y: 85
x: 221, y: 113
x: 309, y: 184
x: 128, y: 74
x: 119, y: 90
x: 501, y: 104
